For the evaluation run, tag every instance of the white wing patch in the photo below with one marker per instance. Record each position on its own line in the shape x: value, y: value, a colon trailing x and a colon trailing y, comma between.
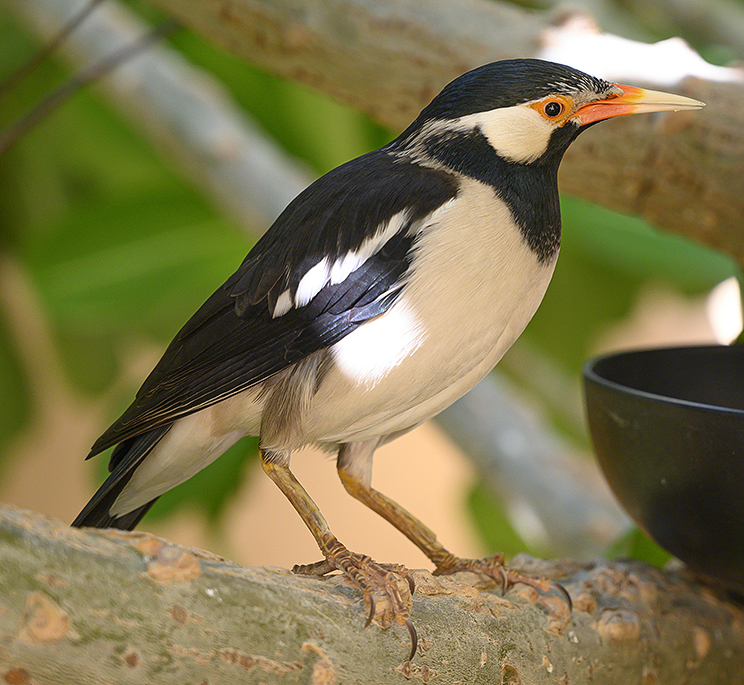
x: 323, y: 273
x: 370, y: 352
x: 283, y: 304
x: 351, y: 261
x: 312, y: 283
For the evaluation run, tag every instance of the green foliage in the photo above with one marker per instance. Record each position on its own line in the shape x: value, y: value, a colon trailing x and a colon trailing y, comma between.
x: 636, y: 545
x: 493, y: 525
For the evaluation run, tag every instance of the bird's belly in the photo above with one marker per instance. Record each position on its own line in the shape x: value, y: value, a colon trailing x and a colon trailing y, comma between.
x: 356, y: 406
x: 459, y: 314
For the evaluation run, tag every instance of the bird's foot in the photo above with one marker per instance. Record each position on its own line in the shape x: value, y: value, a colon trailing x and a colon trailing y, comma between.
x: 387, y: 589
x: 494, y: 568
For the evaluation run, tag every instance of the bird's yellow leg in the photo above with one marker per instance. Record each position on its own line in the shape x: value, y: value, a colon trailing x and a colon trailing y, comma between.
x: 373, y: 579
x: 417, y: 532
x: 355, y: 478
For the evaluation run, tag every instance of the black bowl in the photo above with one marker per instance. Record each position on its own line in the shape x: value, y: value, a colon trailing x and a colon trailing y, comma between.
x: 668, y: 429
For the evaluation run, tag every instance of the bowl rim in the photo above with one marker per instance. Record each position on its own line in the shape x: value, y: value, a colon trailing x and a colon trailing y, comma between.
x: 590, y: 374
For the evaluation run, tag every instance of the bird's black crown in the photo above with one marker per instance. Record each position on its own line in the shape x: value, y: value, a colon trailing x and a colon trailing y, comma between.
x: 509, y: 83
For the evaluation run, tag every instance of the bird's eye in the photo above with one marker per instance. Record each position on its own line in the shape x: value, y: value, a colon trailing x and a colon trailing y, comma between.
x: 553, y: 109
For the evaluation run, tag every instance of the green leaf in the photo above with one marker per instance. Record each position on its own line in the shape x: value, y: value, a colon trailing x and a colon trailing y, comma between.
x: 152, y: 281
x: 637, y: 545
x: 630, y: 246
x: 492, y: 523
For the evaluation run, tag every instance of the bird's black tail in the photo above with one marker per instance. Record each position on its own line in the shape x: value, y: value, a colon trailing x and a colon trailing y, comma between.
x: 125, y: 459
x: 97, y: 517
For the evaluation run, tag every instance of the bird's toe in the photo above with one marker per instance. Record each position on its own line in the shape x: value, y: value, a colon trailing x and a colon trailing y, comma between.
x: 495, y: 568
x: 387, y: 589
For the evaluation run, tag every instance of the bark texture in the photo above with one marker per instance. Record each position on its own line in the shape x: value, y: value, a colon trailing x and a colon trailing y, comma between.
x: 109, y: 607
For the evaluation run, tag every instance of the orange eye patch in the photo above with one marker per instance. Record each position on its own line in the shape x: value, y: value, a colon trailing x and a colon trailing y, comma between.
x: 554, y: 107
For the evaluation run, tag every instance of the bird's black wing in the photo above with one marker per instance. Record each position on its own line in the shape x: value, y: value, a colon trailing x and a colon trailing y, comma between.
x: 236, y: 339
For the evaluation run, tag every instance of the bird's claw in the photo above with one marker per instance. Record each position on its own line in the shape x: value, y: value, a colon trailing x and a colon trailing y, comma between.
x: 494, y: 568
x: 318, y: 569
x: 414, y: 638
x: 376, y: 581
x: 542, y: 585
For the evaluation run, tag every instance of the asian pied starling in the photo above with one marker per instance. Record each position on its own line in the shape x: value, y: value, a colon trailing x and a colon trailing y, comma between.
x: 384, y: 292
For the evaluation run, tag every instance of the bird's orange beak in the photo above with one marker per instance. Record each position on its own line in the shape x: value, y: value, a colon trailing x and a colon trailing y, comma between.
x: 632, y: 100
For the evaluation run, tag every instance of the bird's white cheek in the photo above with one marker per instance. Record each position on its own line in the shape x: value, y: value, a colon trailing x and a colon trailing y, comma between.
x: 519, y: 133
x: 368, y: 354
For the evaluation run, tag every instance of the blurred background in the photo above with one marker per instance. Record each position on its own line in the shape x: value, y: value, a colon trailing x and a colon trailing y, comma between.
x: 109, y: 242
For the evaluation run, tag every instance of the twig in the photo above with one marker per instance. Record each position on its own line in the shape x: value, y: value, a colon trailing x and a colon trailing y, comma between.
x: 55, y: 99
x: 50, y: 46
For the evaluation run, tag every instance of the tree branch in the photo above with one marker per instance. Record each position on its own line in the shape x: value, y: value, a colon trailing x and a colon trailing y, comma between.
x: 104, y: 606
x: 389, y: 57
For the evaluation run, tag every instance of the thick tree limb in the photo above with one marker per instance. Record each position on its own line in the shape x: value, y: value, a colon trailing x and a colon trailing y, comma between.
x: 389, y: 57
x: 97, y: 607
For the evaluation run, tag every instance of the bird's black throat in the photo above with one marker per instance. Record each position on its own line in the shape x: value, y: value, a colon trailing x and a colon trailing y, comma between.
x: 529, y: 190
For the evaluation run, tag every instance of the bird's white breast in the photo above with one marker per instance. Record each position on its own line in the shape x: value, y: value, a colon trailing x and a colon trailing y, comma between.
x: 473, y: 286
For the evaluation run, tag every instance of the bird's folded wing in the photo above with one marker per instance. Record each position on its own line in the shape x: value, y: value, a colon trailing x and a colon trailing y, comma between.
x: 336, y: 257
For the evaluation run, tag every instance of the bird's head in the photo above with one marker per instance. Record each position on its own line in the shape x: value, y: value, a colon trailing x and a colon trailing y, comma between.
x: 531, y: 110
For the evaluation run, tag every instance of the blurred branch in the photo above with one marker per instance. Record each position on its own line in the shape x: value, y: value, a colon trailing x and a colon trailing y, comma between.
x: 715, y: 22
x: 389, y: 57
x: 183, y: 110
x: 166, y: 614
x: 556, y: 501
x: 52, y: 44
x: 97, y: 71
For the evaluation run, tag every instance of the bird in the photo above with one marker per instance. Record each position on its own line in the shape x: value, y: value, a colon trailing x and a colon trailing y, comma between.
x: 384, y: 291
